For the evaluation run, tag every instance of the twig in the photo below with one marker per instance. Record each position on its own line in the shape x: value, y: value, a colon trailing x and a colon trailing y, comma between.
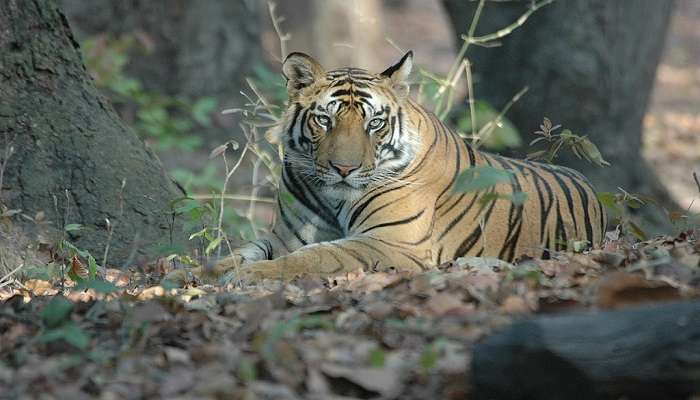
x: 508, y: 29
x: 458, y: 59
x: 283, y: 37
x: 488, y: 129
x: 253, y: 194
x: 9, y: 274
x: 229, y: 173
x: 697, y: 181
x: 111, y: 226
x: 234, y: 197
x: 470, y: 91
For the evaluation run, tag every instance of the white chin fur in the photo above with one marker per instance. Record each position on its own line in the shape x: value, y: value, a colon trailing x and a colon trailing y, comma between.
x: 342, y: 192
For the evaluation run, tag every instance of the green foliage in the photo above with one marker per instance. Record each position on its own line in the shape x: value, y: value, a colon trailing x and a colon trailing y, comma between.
x: 430, y: 355
x: 581, y: 146
x: 170, y: 122
x: 484, y: 180
x: 57, y: 324
x: 56, y: 312
x: 618, y: 205
x: 98, y: 285
x: 503, y: 136
x: 377, y: 358
x: 482, y: 177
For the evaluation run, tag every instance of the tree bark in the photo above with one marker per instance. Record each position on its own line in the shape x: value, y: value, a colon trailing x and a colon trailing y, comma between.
x: 72, y: 152
x: 590, y: 66
x: 644, y: 353
x: 198, y: 48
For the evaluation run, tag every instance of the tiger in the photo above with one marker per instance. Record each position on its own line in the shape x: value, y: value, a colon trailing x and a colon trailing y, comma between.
x: 368, y: 182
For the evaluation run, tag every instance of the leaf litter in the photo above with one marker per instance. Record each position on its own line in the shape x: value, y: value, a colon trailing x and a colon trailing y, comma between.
x: 357, y: 336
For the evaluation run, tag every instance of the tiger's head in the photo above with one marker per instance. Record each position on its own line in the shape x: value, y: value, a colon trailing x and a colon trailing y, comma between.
x: 345, y: 130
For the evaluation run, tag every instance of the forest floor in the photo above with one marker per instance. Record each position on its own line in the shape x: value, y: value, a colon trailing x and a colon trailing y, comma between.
x: 356, y: 336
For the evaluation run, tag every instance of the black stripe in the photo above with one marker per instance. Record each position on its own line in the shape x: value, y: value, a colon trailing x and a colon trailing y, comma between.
x: 358, y: 210
x: 457, y: 170
x: 567, y: 194
x: 394, y: 223
x: 583, y: 195
x: 389, y: 203
x: 560, y: 239
x: 461, y: 215
x: 292, y: 185
x: 352, y: 253
x: 291, y: 227
x: 264, y: 251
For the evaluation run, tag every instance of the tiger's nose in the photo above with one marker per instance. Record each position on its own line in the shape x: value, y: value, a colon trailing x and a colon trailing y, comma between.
x: 343, y: 169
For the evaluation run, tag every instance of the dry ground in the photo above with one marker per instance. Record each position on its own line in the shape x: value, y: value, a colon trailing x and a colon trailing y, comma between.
x: 357, y: 336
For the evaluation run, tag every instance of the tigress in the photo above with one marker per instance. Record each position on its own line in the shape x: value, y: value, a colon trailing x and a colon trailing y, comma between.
x: 368, y: 182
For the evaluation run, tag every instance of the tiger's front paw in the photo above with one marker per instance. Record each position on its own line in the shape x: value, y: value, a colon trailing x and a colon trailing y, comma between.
x: 257, y: 271
x: 206, y: 274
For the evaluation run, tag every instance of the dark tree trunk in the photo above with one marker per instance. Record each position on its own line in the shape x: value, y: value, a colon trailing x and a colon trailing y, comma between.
x: 71, y: 150
x: 199, y: 48
x: 590, y: 66
x: 642, y: 353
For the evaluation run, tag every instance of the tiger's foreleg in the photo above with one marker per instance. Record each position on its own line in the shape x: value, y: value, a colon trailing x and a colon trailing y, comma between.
x: 334, y: 258
x: 264, y: 248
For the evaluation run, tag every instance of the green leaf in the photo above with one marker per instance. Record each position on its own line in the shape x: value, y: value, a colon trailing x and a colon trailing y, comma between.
x: 610, y: 201
x: 56, y: 311
x: 213, y: 245
x: 98, y: 285
x: 487, y: 198
x: 39, y: 272
x: 428, y: 358
x: 72, y: 227
x: 591, y: 153
x: 377, y: 358
x: 637, y: 231
x: 505, y: 135
x: 92, y: 267
x: 480, y: 178
x: 70, y: 333
x: 199, y: 233
x: 518, y: 198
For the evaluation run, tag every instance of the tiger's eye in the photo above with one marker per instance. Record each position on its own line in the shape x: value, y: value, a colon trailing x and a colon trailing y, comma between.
x: 376, y: 123
x: 323, y: 121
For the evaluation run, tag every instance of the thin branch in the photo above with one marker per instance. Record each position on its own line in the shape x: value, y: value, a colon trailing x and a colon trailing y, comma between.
x: 234, y: 197
x: 508, y: 29
x: 470, y: 92
x: 488, y: 129
x: 229, y: 173
x: 9, y: 274
x: 283, y: 37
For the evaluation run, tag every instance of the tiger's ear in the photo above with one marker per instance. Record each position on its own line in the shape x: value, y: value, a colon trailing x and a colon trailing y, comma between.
x: 301, y: 71
x: 398, y: 73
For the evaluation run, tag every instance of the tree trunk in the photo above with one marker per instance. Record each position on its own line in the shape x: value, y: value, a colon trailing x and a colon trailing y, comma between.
x: 198, y: 48
x: 590, y: 66
x: 72, y: 152
x: 641, y: 353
